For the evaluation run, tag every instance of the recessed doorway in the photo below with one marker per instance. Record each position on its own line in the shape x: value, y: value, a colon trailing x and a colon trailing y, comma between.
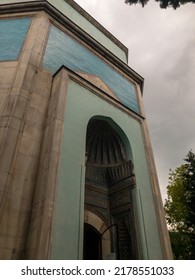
x: 92, y: 243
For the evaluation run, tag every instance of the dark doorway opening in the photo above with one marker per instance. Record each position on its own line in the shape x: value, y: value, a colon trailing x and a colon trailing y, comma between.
x: 92, y: 243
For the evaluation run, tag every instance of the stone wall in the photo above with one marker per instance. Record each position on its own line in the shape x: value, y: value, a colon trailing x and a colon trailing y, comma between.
x: 25, y: 93
x: 43, y: 124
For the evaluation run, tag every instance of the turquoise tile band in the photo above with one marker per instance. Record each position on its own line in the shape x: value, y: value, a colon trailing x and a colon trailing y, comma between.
x: 63, y: 50
x: 12, y: 36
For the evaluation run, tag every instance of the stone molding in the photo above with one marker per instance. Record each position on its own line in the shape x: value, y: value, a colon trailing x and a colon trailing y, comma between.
x: 74, y: 76
x: 43, y: 5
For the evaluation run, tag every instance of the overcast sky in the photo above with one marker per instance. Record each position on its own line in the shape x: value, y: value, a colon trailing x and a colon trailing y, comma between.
x: 161, y: 47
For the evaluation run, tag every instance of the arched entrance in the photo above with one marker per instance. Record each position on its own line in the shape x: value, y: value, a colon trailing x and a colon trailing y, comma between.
x: 101, y: 234
x: 108, y: 184
x: 92, y: 243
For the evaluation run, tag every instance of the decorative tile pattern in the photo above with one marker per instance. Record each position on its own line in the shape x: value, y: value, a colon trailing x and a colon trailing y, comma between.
x: 64, y: 50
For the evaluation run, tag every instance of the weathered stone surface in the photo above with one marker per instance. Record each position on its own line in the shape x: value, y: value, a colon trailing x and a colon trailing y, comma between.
x: 24, y: 102
x: 32, y: 107
x: 43, y: 206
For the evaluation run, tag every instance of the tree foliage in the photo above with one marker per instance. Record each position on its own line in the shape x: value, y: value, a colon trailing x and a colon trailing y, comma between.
x: 180, y: 208
x: 181, y: 245
x: 163, y: 3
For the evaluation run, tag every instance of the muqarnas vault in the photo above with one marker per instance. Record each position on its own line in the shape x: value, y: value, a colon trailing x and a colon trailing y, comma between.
x: 77, y: 175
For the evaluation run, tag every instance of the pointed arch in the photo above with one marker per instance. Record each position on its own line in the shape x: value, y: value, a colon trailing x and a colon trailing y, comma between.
x: 97, y: 223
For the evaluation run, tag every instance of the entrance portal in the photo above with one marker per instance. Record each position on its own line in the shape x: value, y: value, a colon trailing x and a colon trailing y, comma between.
x: 92, y: 243
x: 109, y: 180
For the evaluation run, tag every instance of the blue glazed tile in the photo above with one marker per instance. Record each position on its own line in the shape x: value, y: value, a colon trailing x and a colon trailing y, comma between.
x: 63, y: 50
x: 12, y: 35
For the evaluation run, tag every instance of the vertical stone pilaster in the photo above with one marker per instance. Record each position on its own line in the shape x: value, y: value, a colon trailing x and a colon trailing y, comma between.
x: 24, y: 113
x: 160, y: 216
x: 39, y: 238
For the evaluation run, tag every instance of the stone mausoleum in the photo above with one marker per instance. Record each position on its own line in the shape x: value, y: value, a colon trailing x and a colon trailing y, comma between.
x: 77, y: 174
